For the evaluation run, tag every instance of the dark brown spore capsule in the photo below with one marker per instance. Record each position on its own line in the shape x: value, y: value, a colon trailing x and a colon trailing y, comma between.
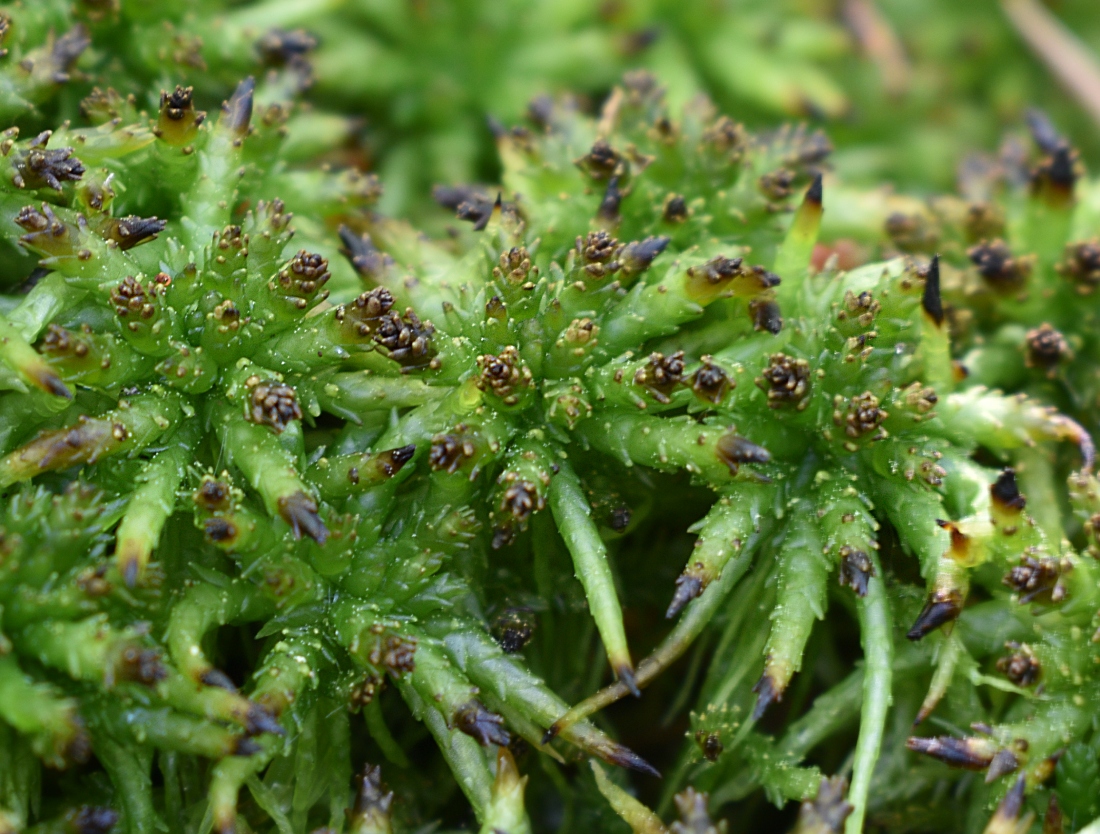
x: 130, y: 231
x: 767, y: 693
x: 639, y: 255
x: 965, y: 753
x: 856, y: 569
x: 219, y: 679
x: 996, y: 264
x: 661, y: 375
x: 260, y: 720
x: 468, y: 203
x: 407, y: 340
x: 300, y: 512
x: 1006, y: 492
x: 213, y: 495
x: 140, y: 666
x: 486, y: 728
x: 1081, y: 264
x: 863, y: 416
x: 304, y: 277
x: 931, y: 300
x: 273, y: 404
x: 449, y: 451
x: 734, y: 450
x: 688, y: 587
x: 1020, y: 666
x: 372, y: 802
x: 826, y: 813
x: 395, y: 653
x: 602, y: 162
x: 513, y: 629
x: 710, y: 744
x: 1046, y: 347
x: 220, y: 530
x: 608, y: 210
x: 675, y: 209
x: 89, y: 819
x: 1038, y: 578
x: 710, y: 383
x: 942, y: 607
x: 38, y: 167
x: 279, y: 47
x: 815, y: 192
x: 364, y: 256
x: 786, y: 380
x: 766, y: 315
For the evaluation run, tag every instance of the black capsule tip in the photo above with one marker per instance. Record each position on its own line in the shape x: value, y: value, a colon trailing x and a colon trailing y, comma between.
x: 931, y: 301
x: 218, y: 678
x: 625, y: 673
x: 1013, y: 803
x: 939, y: 610
x: 260, y: 720
x: 767, y: 693
x: 237, y: 112
x: 246, y: 746
x: 551, y: 733
x: 1004, y: 763
x: 1006, y: 492
x: 300, y: 512
x: 1042, y: 129
x: 688, y: 587
x: 814, y: 193
x: 51, y: 383
x: 620, y: 756
x: 402, y: 455
x: 92, y: 820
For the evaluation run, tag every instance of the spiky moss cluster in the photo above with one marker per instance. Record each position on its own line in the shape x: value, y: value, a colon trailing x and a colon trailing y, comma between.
x: 196, y: 436
x: 853, y: 416
x: 906, y: 90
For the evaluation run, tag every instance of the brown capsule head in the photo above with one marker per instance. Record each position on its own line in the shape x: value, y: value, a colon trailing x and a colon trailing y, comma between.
x: 468, y: 203
x: 213, y: 495
x: 725, y: 137
x: 505, y: 376
x: 1046, y: 348
x: 38, y: 167
x: 450, y: 451
x: 964, y: 753
x: 826, y: 813
x: 395, y: 653
x: 273, y: 404
x: 689, y: 586
x: 302, y: 279
x: 996, y: 264
x: 661, y: 375
x: 602, y: 162
x: 734, y: 450
x: 856, y: 569
x: 279, y: 47
x: 608, y: 210
x: 675, y: 209
x: 406, y: 339
x: 942, y: 607
x: 1038, y: 578
x: 710, y: 383
x: 364, y: 256
x: 694, y: 815
x: 787, y: 381
x: 1081, y: 264
x: 514, y: 628
x: 515, y: 267
x: 372, y: 808
x: 178, y: 121
x: 300, y: 512
x: 487, y: 728
x: 598, y: 253
x: 1006, y: 493
x: 710, y: 744
x: 931, y: 300
x: 777, y: 185
x: 862, y: 417
x: 1020, y: 665
x: 89, y: 819
x: 140, y: 665
x: 221, y: 531
x: 130, y: 231
x: 765, y: 314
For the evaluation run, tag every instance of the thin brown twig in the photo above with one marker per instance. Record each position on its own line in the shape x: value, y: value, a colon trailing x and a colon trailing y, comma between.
x: 1070, y: 60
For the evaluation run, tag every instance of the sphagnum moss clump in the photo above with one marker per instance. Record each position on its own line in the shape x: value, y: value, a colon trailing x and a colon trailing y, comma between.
x: 208, y: 423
